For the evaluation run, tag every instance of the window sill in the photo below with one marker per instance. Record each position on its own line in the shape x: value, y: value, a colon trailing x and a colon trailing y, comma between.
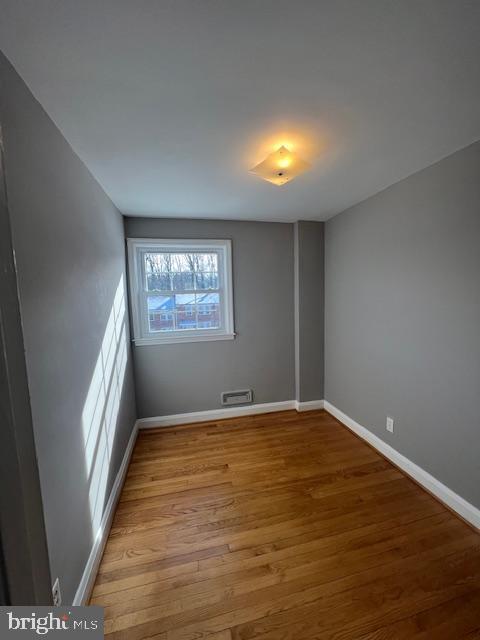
x: 140, y: 342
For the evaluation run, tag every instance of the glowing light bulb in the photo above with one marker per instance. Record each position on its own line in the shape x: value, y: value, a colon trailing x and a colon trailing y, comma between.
x: 284, y: 162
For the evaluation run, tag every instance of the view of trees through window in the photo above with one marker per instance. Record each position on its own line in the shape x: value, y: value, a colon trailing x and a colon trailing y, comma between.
x: 183, y: 291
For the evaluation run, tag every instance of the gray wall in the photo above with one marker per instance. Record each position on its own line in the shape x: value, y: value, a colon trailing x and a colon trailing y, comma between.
x: 69, y: 245
x: 181, y: 378
x: 24, y: 565
x: 309, y: 310
x: 403, y: 317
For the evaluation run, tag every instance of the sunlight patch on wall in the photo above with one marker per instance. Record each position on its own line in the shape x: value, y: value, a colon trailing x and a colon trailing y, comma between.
x: 102, y: 405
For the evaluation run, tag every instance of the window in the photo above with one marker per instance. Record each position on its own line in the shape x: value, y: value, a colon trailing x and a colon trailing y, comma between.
x: 181, y: 290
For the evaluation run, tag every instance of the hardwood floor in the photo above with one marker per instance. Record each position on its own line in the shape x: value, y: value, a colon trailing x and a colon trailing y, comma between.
x: 282, y: 527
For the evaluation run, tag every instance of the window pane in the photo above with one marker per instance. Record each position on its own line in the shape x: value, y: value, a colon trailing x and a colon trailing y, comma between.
x: 181, y: 262
x: 208, y: 310
x: 206, y: 280
x: 160, y: 313
x: 206, y: 270
x: 182, y: 280
x: 183, y: 312
x: 158, y: 282
x: 186, y: 311
x: 180, y: 271
x: 157, y: 271
x: 205, y: 262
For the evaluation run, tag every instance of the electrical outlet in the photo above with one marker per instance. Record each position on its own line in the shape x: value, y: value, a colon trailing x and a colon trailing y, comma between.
x: 390, y: 424
x: 56, y: 593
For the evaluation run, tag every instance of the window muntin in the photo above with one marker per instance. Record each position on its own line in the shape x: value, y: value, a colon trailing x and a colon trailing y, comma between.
x: 181, y: 290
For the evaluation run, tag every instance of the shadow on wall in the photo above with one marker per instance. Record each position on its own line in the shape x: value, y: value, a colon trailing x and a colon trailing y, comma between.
x: 102, y: 406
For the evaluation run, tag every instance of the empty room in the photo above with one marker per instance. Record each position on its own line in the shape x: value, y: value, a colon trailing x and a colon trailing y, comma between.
x: 240, y: 319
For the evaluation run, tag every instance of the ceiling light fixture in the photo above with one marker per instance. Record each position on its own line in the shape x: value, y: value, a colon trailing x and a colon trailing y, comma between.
x: 280, y: 167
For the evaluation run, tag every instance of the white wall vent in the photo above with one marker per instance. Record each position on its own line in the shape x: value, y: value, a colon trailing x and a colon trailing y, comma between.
x: 237, y: 397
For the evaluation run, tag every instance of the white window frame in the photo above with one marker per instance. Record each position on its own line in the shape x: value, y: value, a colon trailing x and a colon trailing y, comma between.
x: 141, y: 335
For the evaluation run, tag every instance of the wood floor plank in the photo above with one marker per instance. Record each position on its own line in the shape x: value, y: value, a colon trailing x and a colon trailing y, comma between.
x: 449, y: 621
x: 279, y: 527
x: 289, y: 568
x: 282, y: 565
x: 273, y: 602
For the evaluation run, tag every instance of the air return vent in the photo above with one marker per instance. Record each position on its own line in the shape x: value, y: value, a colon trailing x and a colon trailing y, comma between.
x: 237, y: 397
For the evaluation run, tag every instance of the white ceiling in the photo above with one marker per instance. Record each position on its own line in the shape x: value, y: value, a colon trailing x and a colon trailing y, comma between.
x: 170, y: 102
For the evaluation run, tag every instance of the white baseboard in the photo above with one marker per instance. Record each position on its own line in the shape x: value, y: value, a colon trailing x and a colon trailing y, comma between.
x: 214, y: 414
x: 93, y: 562
x: 458, y: 504
x: 311, y: 405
